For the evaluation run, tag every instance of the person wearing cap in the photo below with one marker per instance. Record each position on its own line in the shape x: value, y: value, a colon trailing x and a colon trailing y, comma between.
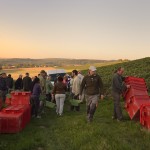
x: 93, y: 85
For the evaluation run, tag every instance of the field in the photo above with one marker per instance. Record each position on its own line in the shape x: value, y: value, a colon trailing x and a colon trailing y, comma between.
x: 72, y: 132
x: 35, y: 71
x: 32, y: 71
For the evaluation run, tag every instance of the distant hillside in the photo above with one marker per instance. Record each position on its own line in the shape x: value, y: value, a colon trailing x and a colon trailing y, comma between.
x: 49, y: 62
x: 138, y: 68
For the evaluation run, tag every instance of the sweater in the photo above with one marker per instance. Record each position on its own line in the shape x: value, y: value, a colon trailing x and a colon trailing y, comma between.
x: 59, y: 88
x: 92, y: 84
x: 117, y: 83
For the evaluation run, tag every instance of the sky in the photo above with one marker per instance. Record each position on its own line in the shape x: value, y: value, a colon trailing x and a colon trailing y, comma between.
x: 80, y: 29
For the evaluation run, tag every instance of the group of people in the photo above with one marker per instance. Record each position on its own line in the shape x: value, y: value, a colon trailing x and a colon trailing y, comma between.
x: 88, y: 87
x: 91, y: 86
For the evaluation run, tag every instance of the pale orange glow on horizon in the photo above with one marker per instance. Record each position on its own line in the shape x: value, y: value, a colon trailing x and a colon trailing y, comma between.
x: 89, y: 30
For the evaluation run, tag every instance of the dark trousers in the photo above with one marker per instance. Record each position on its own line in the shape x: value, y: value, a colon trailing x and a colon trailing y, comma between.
x: 117, y: 106
x: 48, y: 97
x: 75, y: 97
x: 35, y: 102
x: 3, y: 95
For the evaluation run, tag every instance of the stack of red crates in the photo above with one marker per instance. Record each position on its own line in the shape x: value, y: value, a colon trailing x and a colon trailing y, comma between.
x: 1, y: 103
x: 16, y: 116
x: 138, y: 87
x: 145, y: 116
x: 135, y: 96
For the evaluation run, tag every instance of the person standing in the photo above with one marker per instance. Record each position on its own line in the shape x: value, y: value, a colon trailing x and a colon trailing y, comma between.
x: 75, y: 88
x: 49, y: 88
x: 117, y: 89
x: 93, y: 85
x: 42, y: 78
x: 59, y: 91
x: 19, y: 83
x: 27, y: 82
x: 3, y: 87
x: 35, y: 101
x: 9, y: 82
x: 83, y: 93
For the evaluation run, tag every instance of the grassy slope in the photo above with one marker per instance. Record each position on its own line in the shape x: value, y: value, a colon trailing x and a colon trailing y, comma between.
x: 138, y: 68
x: 72, y: 132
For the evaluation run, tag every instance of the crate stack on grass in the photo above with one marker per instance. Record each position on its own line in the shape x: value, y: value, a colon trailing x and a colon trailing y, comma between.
x: 137, y: 100
x: 17, y: 115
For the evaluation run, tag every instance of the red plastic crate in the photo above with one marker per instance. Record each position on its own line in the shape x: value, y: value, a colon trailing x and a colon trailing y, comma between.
x: 11, y: 123
x: 25, y: 109
x: 135, y: 79
x: 134, y: 85
x: 134, y: 104
x: 133, y: 91
x: 15, y: 108
x: 10, y: 114
x: 1, y: 103
x: 145, y: 116
x: 8, y: 101
x: 20, y: 98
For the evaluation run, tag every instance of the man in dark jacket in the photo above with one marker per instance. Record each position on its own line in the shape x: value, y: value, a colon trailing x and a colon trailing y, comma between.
x: 3, y: 87
x: 93, y: 85
x: 9, y: 82
x: 27, y: 83
x: 19, y: 83
x: 117, y: 89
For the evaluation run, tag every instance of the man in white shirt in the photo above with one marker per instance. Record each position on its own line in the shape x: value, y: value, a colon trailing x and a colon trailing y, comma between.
x: 75, y: 88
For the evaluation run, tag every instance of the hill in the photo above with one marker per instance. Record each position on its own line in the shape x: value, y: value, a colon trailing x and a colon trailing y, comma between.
x: 72, y: 132
x: 137, y: 68
x: 49, y: 62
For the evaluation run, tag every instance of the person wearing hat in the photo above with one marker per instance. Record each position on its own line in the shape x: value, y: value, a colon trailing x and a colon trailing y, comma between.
x: 93, y: 85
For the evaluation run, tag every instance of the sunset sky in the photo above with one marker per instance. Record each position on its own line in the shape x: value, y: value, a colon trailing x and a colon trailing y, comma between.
x: 88, y: 29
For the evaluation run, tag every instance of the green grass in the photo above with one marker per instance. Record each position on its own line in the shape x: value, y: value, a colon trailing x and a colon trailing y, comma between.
x: 72, y: 132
